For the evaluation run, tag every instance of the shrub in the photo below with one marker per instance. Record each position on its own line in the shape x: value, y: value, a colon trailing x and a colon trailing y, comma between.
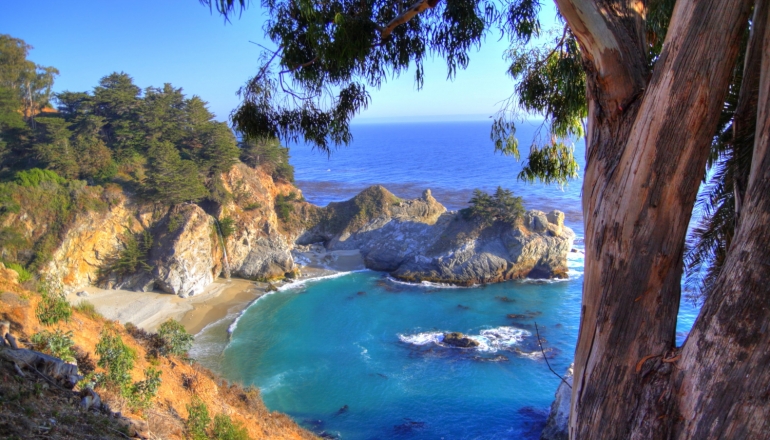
x: 269, y: 155
x: 226, y: 227
x: 502, y: 206
x: 252, y: 206
x: 87, y: 309
x: 141, y: 393
x: 24, y: 274
x: 174, y: 339
x: 57, y: 344
x: 225, y: 429
x: 35, y: 176
x: 116, y: 358
x: 283, y: 205
x: 134, y: 255
x: 198, y: 420
x: 174, y: 221
x: 53, y: 307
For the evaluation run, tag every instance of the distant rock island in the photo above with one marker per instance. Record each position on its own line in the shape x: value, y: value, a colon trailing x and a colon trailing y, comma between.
x: 413, y: 240
x: 419, y: 240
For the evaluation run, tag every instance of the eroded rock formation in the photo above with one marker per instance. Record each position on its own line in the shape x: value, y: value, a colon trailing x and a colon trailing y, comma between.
x: 415, y: 240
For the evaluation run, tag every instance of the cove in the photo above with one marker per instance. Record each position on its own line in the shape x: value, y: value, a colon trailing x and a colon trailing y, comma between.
x: 356, y: 356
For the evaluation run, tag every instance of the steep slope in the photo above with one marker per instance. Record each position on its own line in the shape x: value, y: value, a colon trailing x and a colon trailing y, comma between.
x: 181, y: 381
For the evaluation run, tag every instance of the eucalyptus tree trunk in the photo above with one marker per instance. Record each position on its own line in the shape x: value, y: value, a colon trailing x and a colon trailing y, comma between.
x: 724, y: 381
x: 648, y: 138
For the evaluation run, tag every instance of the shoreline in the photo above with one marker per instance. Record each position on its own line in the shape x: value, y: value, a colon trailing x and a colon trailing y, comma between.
x: 222, y: 299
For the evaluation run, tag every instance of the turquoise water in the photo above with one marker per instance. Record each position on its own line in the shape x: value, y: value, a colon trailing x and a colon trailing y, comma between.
x: 358, y: 355
x: 366, y: 342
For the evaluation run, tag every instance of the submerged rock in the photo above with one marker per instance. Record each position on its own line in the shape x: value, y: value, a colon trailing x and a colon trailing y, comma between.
x: 556, y: 428
x: 457, y: 339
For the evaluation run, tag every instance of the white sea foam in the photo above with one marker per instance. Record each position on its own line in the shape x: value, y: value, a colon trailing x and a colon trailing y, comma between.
x: 299, y: 283
x: 500, y: 338
x: 364, y: 352
x: 428, y: 284
x: 490, y: 340
x: 422, y: 338
x: 575, y: 264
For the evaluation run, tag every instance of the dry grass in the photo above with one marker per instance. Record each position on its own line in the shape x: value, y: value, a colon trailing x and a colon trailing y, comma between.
x: 180, y: 380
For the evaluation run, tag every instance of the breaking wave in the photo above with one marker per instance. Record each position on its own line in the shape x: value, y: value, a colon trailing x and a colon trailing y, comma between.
x: 490, y: 340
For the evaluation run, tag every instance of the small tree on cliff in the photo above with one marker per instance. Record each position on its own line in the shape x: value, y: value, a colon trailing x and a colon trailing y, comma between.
x: 502, y: 206
x: 652, y: 79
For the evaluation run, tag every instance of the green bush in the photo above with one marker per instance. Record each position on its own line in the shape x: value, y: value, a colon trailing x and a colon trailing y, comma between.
x: 24, y: 274
x: 501, y: 206
x: 174, y: 221
x: 57, y: 344
x: 227, y: 227
x: 198, y: 420
x: 174, y: 339
x: 134, y: 255
x: 225, y: 429
x: 252, y: 206
x: 53, y: 307
x: 87, y: 309
x: 283, y: 205
x: 269, y: 155
x: 117, y: 358
x: 35, y: 176
x: 141, y: 393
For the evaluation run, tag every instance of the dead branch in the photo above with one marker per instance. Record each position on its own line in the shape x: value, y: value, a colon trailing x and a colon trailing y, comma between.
x: 546, y: 358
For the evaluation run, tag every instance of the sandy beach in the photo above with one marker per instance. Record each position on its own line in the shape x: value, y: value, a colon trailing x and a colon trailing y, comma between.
x: 148, y: 310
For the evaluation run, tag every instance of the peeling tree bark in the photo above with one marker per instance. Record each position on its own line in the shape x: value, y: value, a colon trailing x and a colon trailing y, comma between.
x: 646, y: 151
x: 724, y: 382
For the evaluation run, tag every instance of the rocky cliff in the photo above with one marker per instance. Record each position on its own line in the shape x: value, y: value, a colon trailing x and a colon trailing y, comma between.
x: 556, y: 428
x: 186, y: 253
x: 135, y: 245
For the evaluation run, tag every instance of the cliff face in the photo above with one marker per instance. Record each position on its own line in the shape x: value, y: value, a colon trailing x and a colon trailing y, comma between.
x: 186, y: 253
x: 258, y: 248
x: 139, y: 246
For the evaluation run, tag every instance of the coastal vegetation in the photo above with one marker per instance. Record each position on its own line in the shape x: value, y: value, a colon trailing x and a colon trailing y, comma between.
x: 635, y: 79
x: 139, y: 390
x: 501, y: 206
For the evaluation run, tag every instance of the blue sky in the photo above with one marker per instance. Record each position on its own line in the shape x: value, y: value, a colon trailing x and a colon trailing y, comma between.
x: 181, y: 42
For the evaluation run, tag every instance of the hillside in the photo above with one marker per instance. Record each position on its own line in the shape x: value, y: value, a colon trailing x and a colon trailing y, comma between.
x: 30, y: 407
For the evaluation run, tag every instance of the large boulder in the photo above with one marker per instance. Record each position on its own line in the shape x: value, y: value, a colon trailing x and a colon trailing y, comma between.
x: 557, y: 426
x: 185, y: 255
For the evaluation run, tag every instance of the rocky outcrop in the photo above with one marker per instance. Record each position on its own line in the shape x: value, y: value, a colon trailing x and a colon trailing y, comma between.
x: 415, y: 240
x: 418, y: 240
x: 557, y: 426
x: 96, y: 238
x: 259, y: 248
x: 185, y: 255
x: 457, y: 339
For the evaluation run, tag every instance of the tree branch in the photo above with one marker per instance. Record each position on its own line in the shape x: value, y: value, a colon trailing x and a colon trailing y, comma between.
x: 407, y: 15
x: 546, y: 358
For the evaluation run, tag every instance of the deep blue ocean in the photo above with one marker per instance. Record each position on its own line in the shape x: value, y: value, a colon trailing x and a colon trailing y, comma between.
x: 358, y: 355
